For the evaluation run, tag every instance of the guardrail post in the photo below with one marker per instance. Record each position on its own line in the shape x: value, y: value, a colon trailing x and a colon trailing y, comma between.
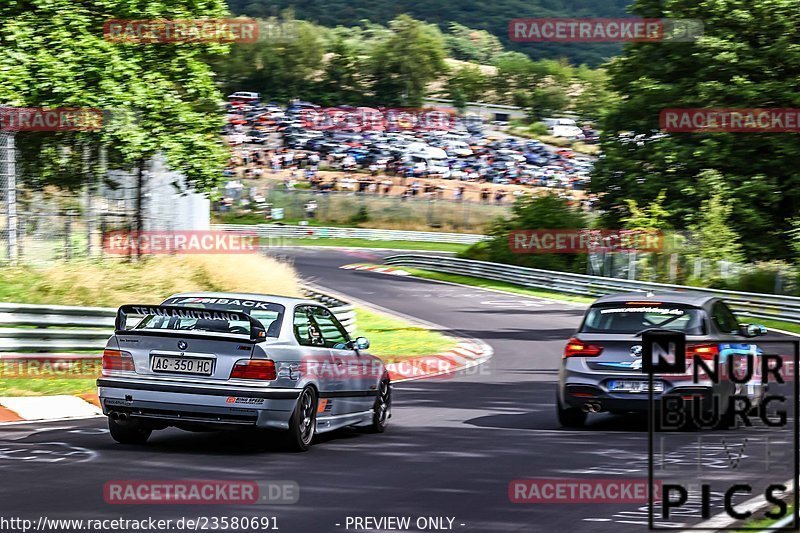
x: 8, y: 179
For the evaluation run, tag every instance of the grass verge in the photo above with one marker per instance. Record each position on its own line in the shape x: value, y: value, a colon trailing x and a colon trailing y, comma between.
x: 559, y: 142
x: 46, y: 387
x: 515, y: 289
x: 394, y: 340
x: 496, y: 285
x: 113, y: 283
x: 775, y: 324
x: 757, y: 524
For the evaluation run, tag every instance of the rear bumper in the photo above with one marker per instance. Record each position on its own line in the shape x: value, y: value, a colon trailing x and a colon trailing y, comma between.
x: 579, y: 385
x: 579, y: 395
x: 173, y: 403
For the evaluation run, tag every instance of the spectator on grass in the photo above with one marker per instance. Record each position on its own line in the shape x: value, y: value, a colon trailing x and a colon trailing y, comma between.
x: 311, y: 209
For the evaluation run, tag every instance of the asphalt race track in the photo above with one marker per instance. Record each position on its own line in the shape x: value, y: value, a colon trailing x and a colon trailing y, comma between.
x: 453, y: 446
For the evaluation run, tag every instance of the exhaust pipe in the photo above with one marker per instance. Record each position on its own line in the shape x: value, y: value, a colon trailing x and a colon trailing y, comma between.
x: 591, y: 407
x: 113, y: 415
x: 123, y: 417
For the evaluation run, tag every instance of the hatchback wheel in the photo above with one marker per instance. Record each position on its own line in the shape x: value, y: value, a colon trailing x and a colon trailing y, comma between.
x: 570, y: 417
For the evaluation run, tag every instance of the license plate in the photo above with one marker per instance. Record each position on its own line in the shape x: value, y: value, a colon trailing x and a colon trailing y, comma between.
x: 182, y: 365
x: 624, y: 385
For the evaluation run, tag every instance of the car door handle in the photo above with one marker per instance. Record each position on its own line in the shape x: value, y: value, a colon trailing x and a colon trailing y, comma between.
x: 338, y: 362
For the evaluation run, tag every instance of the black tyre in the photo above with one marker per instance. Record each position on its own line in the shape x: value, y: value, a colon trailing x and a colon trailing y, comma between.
x: 303, y: 423
x: 382, y: 409
x: 129, y: 431
x: 570, y: 417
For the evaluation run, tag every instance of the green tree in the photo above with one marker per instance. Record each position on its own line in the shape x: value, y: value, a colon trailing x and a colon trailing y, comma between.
x: 531, y: 213
x: 468, y: 44
x: 715, y: 238
x: 158, y: 98
x: 651, y: 217
x: 596, y: 99
x: 515, y: 75
x: 559, y: 72
x: 466, y: 84
x: 748, y: 58
x: 342, y: 80
x: 546, y: 101
x: 280, y: 65
x: 405, y: 63
x: 492, y: 17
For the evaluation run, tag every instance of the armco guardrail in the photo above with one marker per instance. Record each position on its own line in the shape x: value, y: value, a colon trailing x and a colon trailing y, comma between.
x: 58, y: 328
x: 786, y: 308
x: 344, y: 311
x: 276, y: 231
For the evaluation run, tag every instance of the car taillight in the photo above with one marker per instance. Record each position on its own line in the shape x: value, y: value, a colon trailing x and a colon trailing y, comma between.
x: 578, y: 348
x: 263, y: 369
x: 117, y: 360
x: 704, y: 351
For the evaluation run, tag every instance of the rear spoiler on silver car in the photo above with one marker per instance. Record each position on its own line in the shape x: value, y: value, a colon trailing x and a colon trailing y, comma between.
x: 257, y: 330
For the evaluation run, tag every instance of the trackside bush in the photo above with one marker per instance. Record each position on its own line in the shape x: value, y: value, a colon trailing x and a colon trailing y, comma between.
x: 529, y: 213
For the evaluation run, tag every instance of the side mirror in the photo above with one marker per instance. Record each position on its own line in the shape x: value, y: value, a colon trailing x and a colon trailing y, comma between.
x: 257, y: 333
x: 361, y: 343
x: 752, y: 330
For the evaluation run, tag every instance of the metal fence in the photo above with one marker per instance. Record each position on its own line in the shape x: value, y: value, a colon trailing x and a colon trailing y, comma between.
x: 785, y: 308
x: 42, y: 226
x: 272, y: 231
x: 58, y: 328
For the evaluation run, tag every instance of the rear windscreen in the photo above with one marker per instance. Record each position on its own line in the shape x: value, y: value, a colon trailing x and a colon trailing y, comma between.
x: 269, y: 314
x: 626, y: 318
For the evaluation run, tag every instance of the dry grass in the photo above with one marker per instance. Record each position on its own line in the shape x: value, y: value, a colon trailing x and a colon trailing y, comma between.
x: 392, y: 213
x: 113, y: 283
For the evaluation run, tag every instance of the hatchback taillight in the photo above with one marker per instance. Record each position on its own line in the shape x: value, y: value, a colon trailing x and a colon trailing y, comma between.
x: 704, y: 351
x: 117, y: 360
x: 263, y: 369
x: 578, y: 348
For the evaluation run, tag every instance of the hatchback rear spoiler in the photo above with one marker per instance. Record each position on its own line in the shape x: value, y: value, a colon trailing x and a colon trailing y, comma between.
x: 257, y: 330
